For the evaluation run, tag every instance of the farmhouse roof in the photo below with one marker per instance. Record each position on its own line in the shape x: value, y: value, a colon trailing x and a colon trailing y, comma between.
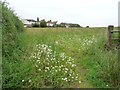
x: 30, y: 20
x: 52, y: 22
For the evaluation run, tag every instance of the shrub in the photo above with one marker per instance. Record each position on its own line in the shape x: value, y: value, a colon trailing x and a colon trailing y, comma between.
x: 11, y: 26
x: 35, y: 25
x: 11, y: 50
x: 43, y: 23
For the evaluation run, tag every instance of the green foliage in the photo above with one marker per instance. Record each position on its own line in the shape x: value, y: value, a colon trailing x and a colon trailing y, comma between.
x: 74, y: 25
x: 11, y: 26
x: 36, y: 25
x: 67, y: 24
x: 52, y: 69
x: 43, y: 23
x: 95, y: 65
x: 60, y: 25
x: 28, y: 57
x: 103, y: 65
x: 11, y: 50
x: 37, y: 19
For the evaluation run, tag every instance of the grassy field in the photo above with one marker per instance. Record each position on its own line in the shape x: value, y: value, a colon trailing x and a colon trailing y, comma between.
x: 68, y: 57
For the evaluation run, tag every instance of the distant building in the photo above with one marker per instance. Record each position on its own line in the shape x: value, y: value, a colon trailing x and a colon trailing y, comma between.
x: 67, y: 25
x: 28, y: 22
x: 62, y: 24
x: 51, y: 23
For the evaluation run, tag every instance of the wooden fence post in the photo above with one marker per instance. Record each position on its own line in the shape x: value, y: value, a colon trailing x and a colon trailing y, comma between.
x: 110, y: 28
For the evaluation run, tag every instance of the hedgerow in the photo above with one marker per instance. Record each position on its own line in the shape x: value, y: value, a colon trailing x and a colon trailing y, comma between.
x: 11, y: 50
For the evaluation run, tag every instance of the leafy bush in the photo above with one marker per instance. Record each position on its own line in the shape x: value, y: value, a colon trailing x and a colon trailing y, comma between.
x: 35, y: 25
x: 11, y: 26
x: 74, y: 25
x: 43, y: 23
x: 11, y: 50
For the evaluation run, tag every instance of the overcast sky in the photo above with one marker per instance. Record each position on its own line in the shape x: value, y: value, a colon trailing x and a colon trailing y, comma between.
x: 83, y: 12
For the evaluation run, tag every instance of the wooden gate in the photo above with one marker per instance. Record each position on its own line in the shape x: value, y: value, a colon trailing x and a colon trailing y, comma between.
x: 113, y: 41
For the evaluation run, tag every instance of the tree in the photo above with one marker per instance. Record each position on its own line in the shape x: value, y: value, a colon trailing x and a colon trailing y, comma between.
x: 43, y: 23
x: 35, y: 25
x: 87, y: 26
x: 37, y: 19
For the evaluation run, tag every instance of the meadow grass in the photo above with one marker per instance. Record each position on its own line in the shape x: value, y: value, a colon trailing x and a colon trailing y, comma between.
x: 68, y: 57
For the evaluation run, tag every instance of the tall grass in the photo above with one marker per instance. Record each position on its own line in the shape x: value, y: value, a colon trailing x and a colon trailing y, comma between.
x: 95, y: 66
x: 103, y: 66
x: 56, y: 57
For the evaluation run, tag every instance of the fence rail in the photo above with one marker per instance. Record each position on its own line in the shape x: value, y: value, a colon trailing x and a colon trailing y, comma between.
x: 111, y: 38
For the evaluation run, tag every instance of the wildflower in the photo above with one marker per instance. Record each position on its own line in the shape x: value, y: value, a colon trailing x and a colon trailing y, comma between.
x: 73, y: 65
x: 80, y: 82
x: 39, y: 69
x: 53, y: 59
x: 56, y: 66
x: 107, y: 85
x: 29, y: 80
x: 48, y: 55
x: 49, y: 46
x: 63, y: 59
x: 62, y: 55
x: 59, y: 69
x: 47, y: 68
x: 76, y: 77
x: 65, y: 78
x: 33, y: 56
x: 37, y: 60
x: 66, y: 69
x: 56, y: 42
x: 23, y: 80
x: 36, y: 65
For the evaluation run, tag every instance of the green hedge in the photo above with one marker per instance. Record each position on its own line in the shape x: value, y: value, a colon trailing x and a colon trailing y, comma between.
x: 11, y: 49
x: 11, y: 27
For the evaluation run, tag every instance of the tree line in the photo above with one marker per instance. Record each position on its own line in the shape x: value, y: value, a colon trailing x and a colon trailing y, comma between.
x: 43, y: 23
